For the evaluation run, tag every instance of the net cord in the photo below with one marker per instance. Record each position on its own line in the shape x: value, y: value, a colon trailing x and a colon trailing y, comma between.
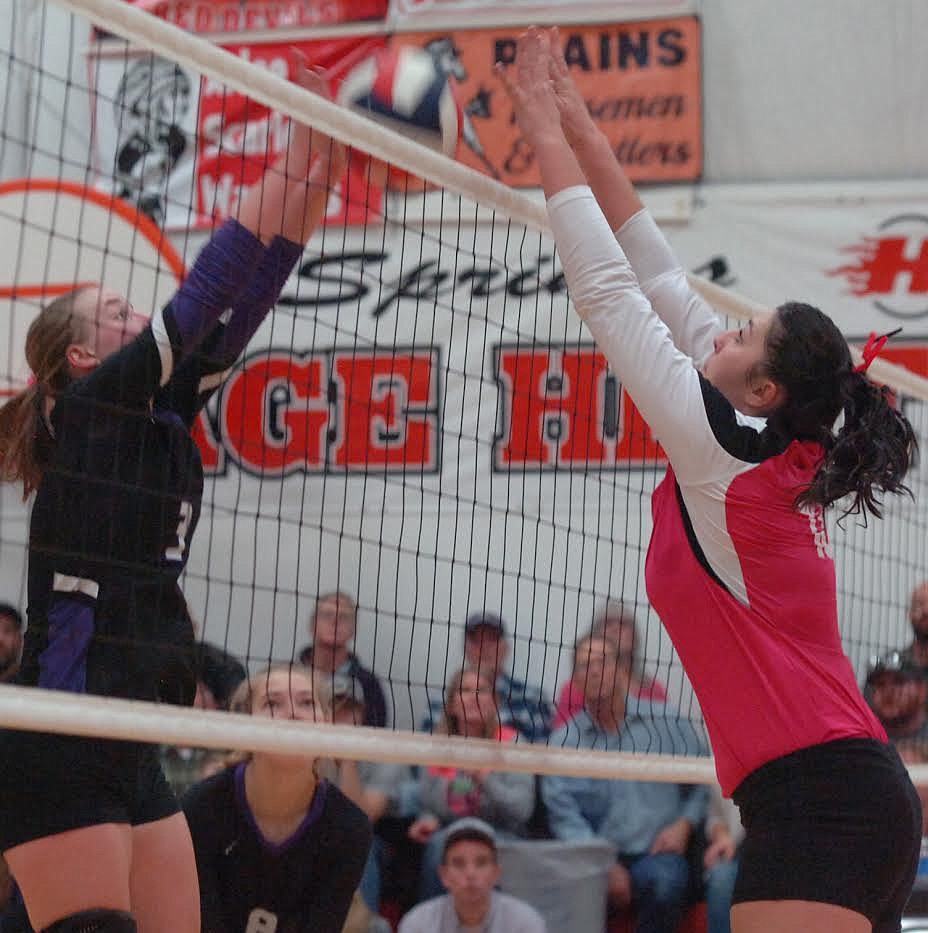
x: 59, y: 712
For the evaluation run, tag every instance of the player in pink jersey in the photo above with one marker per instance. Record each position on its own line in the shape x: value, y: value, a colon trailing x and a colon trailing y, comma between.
x: 747, y: 419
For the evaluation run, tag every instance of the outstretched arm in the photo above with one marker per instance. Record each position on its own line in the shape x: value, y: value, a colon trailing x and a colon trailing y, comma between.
x: 661, y: 380
x: 288, y: 202
x: 692, y: 321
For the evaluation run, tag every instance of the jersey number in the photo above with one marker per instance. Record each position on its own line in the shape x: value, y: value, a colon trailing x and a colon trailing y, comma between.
x: 261, y: 921
x: 176, y: 551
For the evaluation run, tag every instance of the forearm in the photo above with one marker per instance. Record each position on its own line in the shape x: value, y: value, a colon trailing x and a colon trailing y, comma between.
x: 557, y: 163
x: 290, y: 199
x: 614, y: 193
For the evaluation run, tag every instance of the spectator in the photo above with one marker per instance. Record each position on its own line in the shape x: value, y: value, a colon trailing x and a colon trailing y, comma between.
x: 332, y: 629
x: 616, y: 622
x: 649, y: 823
x: 11, y: 641
x: 470, y: 871
x: 504, y: 800
x: 898, y: 690
x: 486, y: 650
x: 380, y: 789
x: 918, y: 618
x: 276, y: 846
x: 720, y: 860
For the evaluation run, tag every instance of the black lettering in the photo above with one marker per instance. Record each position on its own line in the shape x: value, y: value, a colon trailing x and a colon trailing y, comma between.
x: 520, y: 157
x: 480, y: 280
x: 575, y: 52
x: 419, y: 283
x: 634, y: 48
x: 344, y: 287
x: 670, y: 41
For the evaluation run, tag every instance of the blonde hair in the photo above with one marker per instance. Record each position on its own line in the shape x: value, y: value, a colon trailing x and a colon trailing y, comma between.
x: 25, y: 443
x: 243, y: 697
x: 448, y: 724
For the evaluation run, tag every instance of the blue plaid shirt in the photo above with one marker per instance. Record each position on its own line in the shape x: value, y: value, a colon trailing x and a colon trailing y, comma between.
x: 628, y: 814
x: 522, y: 707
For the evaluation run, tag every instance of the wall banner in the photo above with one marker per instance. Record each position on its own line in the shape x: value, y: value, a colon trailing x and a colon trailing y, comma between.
x: 180, y: 148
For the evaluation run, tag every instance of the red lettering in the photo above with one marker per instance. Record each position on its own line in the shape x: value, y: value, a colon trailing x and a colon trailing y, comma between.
x: 388, y: 410
x: 563, y: 409
x: 275, y: 414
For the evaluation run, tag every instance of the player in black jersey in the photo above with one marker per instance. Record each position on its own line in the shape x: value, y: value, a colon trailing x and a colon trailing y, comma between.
x: 277, y: 848
x: 90, y: 829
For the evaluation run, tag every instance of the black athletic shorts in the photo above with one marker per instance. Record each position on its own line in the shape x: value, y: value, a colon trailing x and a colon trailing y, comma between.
x: 53, y: 783
x: 838, y: 823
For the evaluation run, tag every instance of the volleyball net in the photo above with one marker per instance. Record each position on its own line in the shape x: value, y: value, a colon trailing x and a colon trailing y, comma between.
x: 422, y: 424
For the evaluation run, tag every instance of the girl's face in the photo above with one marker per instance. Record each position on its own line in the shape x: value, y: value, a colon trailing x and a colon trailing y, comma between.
x: 109, y: 323
x: 735, y: 367
x: 473, y: 704
x: 287, y: 694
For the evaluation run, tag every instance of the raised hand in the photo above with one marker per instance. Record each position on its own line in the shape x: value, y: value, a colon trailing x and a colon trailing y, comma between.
x: 319, y: 144
x: 530, y: 88
x: 576, y: 121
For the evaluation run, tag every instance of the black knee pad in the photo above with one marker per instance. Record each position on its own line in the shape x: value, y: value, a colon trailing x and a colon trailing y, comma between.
x: 94, y: 921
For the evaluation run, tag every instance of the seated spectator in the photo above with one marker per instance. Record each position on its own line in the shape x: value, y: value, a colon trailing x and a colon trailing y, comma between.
x: 332, y: 629
x: 486, y: 650
x: 504, y: 800
x: 11, y: 641
x: 725, y: 834
x: 277, y: 848
x: 380, y: 789
x: 917, y: 651
x: 470, y: 871
x: 616, y: 622
x: 898, y: 689
x: 219, y: 675
x: 648, y: 822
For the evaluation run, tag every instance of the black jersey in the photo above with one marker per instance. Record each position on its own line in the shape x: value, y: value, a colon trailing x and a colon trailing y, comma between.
x: 119, y: 502
x: 250, y: 885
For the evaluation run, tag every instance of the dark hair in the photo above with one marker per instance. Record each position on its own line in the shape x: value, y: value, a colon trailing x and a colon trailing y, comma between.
x: 25, y: 444
x: 808, y: 356
x: 11, y: 612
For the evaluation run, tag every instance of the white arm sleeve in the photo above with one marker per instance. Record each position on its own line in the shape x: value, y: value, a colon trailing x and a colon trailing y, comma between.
x: 691, y: 319
x: 662, y: 381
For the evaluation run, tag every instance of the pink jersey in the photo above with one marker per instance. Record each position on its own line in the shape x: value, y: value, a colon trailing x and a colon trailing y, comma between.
x: 742, y: 581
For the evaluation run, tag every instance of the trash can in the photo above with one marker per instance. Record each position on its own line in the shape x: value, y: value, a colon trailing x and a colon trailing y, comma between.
x: 564, y: 881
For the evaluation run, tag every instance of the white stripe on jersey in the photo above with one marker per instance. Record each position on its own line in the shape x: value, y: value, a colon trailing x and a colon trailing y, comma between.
x: 163, y: 342
x: 62, y: 583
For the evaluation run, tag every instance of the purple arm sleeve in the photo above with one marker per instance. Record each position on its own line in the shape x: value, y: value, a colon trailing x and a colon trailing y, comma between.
x: 221, y: 271
x: 255, y: 301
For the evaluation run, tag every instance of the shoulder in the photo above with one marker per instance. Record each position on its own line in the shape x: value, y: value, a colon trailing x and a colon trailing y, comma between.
x: 424, y: 916
x: 216, y: 791
x: 513, y: 911
x: 348, y: 816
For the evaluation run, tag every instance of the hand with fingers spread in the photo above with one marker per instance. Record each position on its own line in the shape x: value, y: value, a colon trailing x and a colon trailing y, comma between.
x: 576, y: 122
x: 531, y: 89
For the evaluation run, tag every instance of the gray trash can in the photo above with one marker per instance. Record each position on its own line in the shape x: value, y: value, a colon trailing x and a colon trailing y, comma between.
x: 564, y: 881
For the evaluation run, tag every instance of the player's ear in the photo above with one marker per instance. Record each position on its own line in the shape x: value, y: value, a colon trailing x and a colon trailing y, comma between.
x: 80, y: 357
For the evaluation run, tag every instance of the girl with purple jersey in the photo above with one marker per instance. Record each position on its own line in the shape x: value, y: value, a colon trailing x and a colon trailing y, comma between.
x: 90, y: 828
x: 739, y: 567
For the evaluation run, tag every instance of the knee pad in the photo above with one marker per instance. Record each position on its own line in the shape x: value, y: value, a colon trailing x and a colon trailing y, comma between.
x: 94, y: 921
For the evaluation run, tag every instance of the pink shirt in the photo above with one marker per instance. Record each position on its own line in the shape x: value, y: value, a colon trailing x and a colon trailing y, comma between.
x: 742, y: 581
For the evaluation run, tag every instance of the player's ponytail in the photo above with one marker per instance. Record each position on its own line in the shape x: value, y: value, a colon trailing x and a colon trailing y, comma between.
x: 873, y: 448
x: 25, y: 443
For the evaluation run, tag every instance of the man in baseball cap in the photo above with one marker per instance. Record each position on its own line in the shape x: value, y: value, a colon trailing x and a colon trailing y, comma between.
x: 486, y: 650
x: 470, y: 871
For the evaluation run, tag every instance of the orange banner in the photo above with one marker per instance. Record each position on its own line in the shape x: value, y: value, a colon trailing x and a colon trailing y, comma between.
x: 641, y: 81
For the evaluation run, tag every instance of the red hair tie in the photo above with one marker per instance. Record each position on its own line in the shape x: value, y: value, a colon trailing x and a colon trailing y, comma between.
x: 873, y: 347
